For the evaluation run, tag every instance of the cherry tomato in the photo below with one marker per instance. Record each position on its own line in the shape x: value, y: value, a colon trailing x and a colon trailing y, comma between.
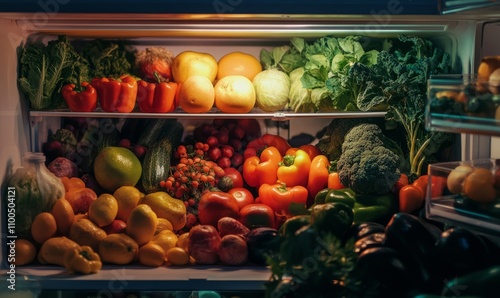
x: 242, y: 195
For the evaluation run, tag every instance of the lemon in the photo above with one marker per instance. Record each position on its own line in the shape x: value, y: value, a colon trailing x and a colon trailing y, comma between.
x: 165, y: 206
x: 115, y: 167
x: 103, y: 210
x: 177, y: 256
x: 127, y: 197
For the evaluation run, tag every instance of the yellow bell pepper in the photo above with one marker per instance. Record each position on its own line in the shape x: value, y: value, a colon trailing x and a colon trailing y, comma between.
x: 82, y: 259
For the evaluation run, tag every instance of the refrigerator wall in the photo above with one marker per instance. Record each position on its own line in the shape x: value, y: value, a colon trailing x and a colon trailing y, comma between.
x: 466, y: 36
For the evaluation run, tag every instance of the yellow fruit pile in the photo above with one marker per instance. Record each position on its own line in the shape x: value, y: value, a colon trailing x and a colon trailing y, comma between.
x: 123, y: 227
x: 206, y: 82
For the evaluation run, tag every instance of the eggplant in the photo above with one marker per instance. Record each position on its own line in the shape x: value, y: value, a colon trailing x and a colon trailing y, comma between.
x: 482, y: 283
x: 384, y: 269
x: 262, y: 242
x: 368, y: 228
x: 369, y: 241
x: 461, y: 252
x: 415, y: 239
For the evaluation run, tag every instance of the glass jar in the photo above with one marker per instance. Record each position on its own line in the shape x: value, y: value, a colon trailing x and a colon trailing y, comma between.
x: 31, y: 189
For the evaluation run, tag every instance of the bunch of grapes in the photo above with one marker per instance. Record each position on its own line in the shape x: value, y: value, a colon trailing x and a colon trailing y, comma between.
x: 191, y: 176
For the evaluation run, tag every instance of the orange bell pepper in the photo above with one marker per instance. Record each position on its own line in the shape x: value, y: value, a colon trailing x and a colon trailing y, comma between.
x: 279, y: 196
x: 156, y: 97
x: 318, y: 176
x: 116, y: 95
x: 263, y: 169
x: 294, y: 168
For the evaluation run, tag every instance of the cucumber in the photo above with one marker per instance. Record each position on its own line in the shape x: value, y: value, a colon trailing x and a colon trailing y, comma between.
x: 157, y: 160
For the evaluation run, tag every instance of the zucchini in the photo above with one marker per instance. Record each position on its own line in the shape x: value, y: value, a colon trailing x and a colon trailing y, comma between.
x: 156, y: 165
x: 157, y: 160
x: 154, y: 130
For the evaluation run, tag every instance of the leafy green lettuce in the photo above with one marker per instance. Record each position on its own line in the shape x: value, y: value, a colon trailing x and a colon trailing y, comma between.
x: 45, y: 69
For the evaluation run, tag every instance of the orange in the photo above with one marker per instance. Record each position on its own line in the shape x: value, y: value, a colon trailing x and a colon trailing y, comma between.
x: 151, y: 254
x: 479, y: 185
x: 238, y: 63
x: 190, y: 63
x: 196, y: 95
x: 25, y: 252
x: 182, y: 241
x: 64, y: 215
x: 234, y: 94
x: 43, y: 227
x: 163, y: 224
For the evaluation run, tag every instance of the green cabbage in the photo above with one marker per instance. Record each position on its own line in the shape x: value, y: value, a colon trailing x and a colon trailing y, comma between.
x: 272, y: 87
x: 300, y: 97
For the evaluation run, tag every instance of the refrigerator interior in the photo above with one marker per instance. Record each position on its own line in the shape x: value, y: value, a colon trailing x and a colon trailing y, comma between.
x: 462, y: 36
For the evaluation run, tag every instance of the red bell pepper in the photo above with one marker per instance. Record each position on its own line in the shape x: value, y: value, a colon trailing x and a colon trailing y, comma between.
x: 318, y: 176
x: 116, y: 95
x: 263, y: 169
x: 267, y: 140
x: 80, y: 100
x: 294, y: 168
x: 279, y: 196
x: 156, y: 97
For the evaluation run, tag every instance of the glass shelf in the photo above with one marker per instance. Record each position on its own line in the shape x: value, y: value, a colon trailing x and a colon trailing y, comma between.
x: 462, y: 104
x: 214, y: 113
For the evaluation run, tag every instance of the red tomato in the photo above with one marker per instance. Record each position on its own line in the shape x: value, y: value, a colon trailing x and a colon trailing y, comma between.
x: 311, y: 150
x: 235, y: 175
x: 334, y: 181
x: 438, y: 184
x: 402, y: 181
x: 257, y: 215
x: 410, y: 198
x: 421, y: 183
x: 242, y: 195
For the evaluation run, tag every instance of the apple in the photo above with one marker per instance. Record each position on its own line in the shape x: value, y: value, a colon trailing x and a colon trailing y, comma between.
x: 115, y: 227
x: 203, y: 243
x: 189, y: 63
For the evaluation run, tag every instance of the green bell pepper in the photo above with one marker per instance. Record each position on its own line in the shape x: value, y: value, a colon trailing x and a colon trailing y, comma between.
x: 373, y: 207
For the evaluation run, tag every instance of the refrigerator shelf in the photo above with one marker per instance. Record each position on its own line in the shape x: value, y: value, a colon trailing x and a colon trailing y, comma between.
x: 463, y: 104
x: 454, y: 206
x: 214, y: 113
x: 133, y: 277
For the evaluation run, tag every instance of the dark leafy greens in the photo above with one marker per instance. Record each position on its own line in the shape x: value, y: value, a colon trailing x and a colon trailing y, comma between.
x: 44, y: 69
x: 109, y: 58
x: 403, y: 73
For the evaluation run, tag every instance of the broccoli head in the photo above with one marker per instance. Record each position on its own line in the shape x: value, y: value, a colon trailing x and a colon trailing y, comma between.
x: 332, y: 137
x: 368, y: 163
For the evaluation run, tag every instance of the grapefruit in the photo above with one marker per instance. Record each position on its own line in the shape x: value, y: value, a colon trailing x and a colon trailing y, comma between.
x: 234, y: 94
x: 238, y: 63
x: 190, y: 63
x: 196, y: 95
x: 115, y: 167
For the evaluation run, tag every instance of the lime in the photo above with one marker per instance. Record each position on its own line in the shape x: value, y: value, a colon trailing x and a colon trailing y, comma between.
x: 115, y: 167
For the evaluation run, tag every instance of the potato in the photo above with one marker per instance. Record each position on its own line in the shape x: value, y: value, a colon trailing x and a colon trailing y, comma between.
x: 233, y: 250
